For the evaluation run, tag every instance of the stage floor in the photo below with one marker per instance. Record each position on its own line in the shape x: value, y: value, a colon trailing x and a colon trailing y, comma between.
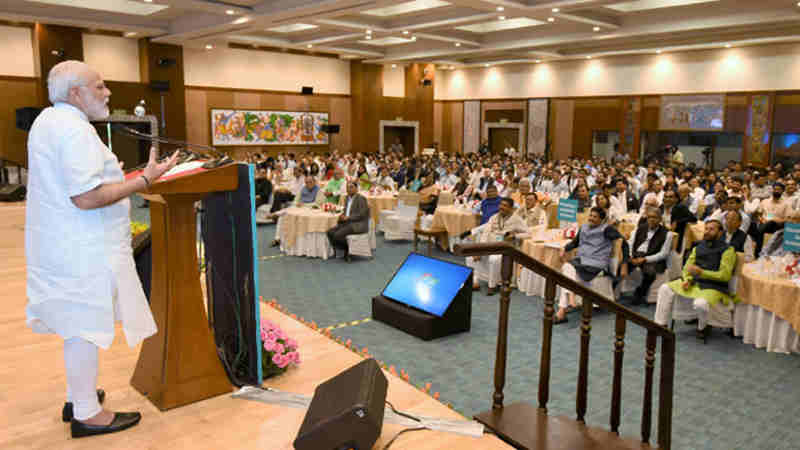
x: 32, y: 386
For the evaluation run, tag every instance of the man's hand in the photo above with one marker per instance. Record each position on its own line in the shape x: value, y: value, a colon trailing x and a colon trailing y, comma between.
x: 686, y: 285
x: 694, y: 270
x: 637, y: 261
x: 343, y: 218
x: 155, y: 169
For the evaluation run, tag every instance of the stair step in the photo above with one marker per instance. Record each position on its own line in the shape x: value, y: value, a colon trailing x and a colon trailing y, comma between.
x: 525, y: 426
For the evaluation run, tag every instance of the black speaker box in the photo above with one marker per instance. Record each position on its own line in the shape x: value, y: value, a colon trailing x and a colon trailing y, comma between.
x: 346, y: 411
x: 12, y: 193
x: 307, y: 90
x: 330, y: 129
x: 415, y: 322
x: 426, y: 82
x: 26, y: 116
x: 159, y: 85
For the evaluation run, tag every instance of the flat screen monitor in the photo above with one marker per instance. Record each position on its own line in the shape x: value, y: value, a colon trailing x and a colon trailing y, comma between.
x: 425, y: 283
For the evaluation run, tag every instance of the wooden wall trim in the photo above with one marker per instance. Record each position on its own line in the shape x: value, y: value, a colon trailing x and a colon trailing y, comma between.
x: 258, y: 91
x: 17, y: 78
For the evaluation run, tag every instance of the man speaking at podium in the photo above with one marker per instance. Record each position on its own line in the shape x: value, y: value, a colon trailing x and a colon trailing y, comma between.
x: 81, y: 277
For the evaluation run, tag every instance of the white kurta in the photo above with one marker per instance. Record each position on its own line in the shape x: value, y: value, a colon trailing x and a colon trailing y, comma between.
x: 81, y: 276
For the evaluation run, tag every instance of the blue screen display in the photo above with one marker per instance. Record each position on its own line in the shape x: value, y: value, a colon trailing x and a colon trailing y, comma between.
x: 426, y: 283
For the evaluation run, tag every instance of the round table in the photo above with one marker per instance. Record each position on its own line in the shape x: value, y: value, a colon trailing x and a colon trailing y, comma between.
x: 769, y: 314
x: 454, y: 219
x: 544, y: 247
x: 380, y: 202
x: 302, y: 232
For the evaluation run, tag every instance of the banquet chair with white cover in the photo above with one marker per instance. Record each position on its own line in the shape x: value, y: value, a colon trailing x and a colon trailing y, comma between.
x: 400, y: 225
x: 488, y: 267
x: 717, y: 316
x: 362, y: 244
x: 385, y: 213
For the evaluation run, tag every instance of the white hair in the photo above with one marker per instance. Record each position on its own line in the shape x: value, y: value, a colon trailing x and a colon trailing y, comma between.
x: 63, y: 77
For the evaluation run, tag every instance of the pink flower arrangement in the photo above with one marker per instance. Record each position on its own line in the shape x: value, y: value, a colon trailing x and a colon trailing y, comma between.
x: 279, y: 350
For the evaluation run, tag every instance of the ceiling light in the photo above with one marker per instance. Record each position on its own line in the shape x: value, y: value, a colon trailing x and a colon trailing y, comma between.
x: 369, y: 31
x: 130, y: 34
x: 550, y: 19
x: 452, y: 67
x: 405, y: 31
x: 309, y: 46
x: 727, y: 45
x: 458, y: 44
x: 208, y: 46
x: 596, y: 28
x: 148, y: 1
x: 413, y: 38
x: 502, y: 17
x: 538, y: 61
x: 555, y: 10
x: 501, y: 9
x: 241, y: 20
x: 588, y: 57
x: 486, y: 65
x: 394, y: 66
x: 369, y: 36
x: 230, y: 12
x: 658, y: 51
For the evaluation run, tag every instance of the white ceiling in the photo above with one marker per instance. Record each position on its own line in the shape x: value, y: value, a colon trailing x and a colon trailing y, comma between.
x: 452, y: 33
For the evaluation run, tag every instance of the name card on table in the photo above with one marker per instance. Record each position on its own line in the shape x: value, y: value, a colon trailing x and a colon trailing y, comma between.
x: 791, y: 237
x: 567, y: 210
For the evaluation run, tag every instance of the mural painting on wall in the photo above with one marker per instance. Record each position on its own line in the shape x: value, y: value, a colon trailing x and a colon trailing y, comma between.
x: 692, y: 112
x: 758, y: 130
x: 258, y: 127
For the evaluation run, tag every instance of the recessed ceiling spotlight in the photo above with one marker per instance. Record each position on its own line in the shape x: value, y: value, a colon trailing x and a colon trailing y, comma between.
x: 208, y: 46
x: 538, y: 61
x: 555, y: 10
x: 369, y: 36
x: 501, y: 9
x: 230, y: 12
x: 241, y: 20
x: 502, y: 17
x: 588, y: 57
x: 369, y: 31
x: 596, y: 28
x: 413, y: 38
x: 394, y: 66
x: 452, y: 67
x: 148, y: 1
x: 458, y: 44
x: 130, y: 34
x: 309, y: 46
x: 486, y: 65
x: 658, y: 51
x: 405, y: 31
x: 727, y: 45
x: 550, y: 19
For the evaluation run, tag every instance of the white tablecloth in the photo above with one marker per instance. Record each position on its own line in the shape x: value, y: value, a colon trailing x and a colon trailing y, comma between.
x: 764, y: 329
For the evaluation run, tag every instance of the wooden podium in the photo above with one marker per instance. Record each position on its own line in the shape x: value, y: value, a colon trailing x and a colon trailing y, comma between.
x: 179, y: 364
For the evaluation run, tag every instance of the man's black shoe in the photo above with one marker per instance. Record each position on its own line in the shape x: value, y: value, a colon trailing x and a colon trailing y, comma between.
x: 122, y: 421
x: 67, y: 412
x: 690, y: 322
x: 638, y: 301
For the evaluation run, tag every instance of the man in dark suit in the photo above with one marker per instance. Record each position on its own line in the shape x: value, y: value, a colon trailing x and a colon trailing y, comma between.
x: 649, y: 246
x: 354, y: 220
x: 678, y: 214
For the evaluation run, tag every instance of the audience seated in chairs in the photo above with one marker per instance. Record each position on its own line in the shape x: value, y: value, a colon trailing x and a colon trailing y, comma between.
x: 489, y: 206
x: 704, y: 281
x: 336, y: 187
x: 595, y: 244
x: 501, y: 227
x: 650, y: 246
x: 310, y: 194
x: 354, y: 220
x: 736, y: 238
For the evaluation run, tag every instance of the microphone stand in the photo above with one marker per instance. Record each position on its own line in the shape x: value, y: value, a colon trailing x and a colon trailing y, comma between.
x: 214, y: 156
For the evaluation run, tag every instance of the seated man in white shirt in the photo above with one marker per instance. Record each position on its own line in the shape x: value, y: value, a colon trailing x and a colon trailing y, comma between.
x: 385, y: 181
x: 736, y: 238
x: 650, y: 247
x: 501, y: 226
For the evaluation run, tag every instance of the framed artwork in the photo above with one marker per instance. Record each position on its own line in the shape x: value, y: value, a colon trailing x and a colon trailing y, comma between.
x: 260, y: 127
x: 692, y: 112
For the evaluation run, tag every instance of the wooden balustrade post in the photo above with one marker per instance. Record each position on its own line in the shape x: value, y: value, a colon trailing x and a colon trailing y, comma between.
x: 506, y: 266
x: 583, y: 366
x: 647, y: 402
x: 547, y: 343
x: 666, y: 381
x: 616, y: 390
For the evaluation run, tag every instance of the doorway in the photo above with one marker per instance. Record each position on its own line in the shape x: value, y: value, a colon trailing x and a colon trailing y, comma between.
x: 405, y: 135
x: 500, y: 138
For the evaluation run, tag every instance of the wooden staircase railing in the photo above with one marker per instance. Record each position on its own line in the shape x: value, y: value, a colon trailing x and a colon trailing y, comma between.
x: 526, y: 427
